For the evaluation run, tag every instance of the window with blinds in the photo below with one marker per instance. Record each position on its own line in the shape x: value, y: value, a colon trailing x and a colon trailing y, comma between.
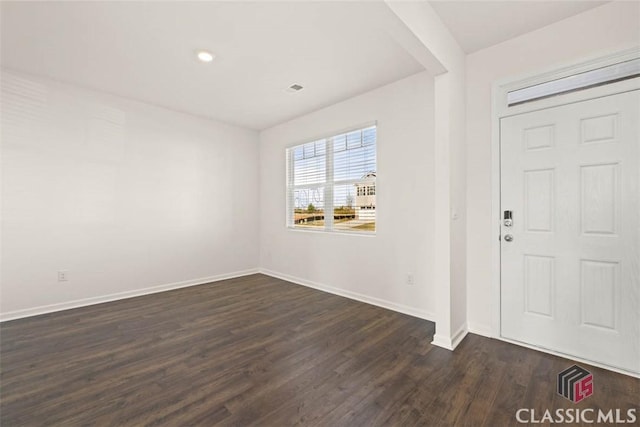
x: 331, y: 183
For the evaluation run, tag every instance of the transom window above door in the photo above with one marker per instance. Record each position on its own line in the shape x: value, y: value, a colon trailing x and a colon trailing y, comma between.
x: 331, y: 183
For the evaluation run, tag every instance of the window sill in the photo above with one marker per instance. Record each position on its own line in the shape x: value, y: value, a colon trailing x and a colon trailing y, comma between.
x: 332, y: 232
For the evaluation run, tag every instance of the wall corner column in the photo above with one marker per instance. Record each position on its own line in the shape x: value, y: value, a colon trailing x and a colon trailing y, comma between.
x: 443, y: 57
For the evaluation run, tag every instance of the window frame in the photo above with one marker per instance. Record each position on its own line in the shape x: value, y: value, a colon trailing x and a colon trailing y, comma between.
x: 328, y: 183
x: 606, y: 74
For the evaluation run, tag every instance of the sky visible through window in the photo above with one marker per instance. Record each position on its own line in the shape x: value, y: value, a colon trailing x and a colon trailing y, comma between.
x: 354, y: 156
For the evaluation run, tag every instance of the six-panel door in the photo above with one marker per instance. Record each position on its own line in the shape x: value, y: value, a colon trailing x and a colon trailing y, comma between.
x: 570, y: 276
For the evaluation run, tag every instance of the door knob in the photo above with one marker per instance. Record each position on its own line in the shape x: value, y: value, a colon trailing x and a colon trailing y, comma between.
x: 508, y: 237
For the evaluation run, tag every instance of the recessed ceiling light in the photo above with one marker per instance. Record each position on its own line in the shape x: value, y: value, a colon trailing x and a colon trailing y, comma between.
x: 205, y: 56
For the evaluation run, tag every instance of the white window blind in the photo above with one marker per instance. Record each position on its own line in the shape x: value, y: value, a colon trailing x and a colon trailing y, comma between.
x: 331, y: 183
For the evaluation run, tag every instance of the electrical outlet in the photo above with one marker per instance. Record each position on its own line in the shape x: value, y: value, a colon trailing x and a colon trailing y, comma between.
x: 409, y: 279
x: 63, y: 276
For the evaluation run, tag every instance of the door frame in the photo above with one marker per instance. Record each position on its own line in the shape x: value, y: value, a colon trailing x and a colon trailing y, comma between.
x: 499, y: 110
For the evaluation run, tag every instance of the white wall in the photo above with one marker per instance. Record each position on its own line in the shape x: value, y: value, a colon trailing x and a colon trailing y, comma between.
x: 601, y: 30
x: 123, y: 195
x: 371, y: 268
x: 458, y: 208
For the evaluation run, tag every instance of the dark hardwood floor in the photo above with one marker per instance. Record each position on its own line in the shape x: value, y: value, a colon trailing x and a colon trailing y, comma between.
x: 262, y: 351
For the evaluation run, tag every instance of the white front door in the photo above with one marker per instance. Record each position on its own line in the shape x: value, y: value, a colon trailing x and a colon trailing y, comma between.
x: 570, y: 274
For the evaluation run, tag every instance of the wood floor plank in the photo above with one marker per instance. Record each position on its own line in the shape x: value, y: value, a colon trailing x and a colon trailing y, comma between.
x: 262, y: 351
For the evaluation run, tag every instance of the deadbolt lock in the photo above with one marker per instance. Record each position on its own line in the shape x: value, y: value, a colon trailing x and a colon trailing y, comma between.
x: 508, y: 218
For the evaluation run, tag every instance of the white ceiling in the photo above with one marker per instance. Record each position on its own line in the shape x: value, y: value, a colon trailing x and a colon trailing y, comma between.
x: 479, y: 24
x: 146, y: 50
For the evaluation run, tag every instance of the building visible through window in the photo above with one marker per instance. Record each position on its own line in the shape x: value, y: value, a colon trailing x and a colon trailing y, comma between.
x: 366, y: 199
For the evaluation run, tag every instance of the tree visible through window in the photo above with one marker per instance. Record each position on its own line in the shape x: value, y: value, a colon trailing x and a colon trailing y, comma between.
x: 331, y: 183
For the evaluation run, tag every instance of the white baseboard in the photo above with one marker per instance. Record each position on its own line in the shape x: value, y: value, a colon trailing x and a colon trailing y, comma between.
x: 450, y: 343
x: 400, y: 308
x: 479, y: 329
x: 28, y: 312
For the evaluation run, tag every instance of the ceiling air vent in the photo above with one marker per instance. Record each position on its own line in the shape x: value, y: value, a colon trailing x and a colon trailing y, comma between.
x: 295, y: 88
